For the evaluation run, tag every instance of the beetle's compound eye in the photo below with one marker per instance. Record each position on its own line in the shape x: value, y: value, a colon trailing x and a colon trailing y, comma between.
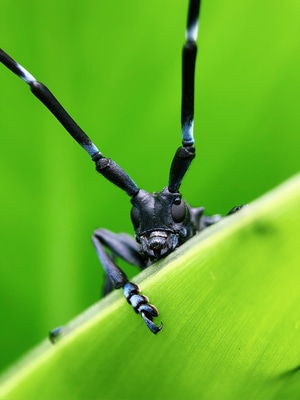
x: 135, y: 217
x: 178, y: 210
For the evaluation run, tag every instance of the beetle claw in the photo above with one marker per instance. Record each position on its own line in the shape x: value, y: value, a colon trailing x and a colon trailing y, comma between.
x: 150, y: 324
x: 55, y: 334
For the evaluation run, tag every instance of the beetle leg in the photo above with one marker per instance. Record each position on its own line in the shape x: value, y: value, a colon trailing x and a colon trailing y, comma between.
x: 236, y: 208
x: 140, y: 304
x: 202, y: 221
x: 123, y: 246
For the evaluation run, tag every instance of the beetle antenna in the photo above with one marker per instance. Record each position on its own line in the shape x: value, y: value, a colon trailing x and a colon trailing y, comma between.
x: 185, y: 154
x: 188, y: 74
x: 107, y: 167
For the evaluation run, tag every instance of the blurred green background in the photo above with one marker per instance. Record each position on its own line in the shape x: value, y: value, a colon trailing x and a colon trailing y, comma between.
x: 116, y: 67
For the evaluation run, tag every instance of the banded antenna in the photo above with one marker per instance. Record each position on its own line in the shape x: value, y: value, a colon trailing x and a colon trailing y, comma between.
x: 185, y: 154
x: 107, y: 167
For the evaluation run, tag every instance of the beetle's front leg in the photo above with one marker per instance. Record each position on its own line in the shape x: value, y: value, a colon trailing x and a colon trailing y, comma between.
x: 140, y: 304
x: 125, y: 247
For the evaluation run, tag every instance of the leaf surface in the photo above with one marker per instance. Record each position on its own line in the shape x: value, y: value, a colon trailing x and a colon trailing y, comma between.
x: 229, y: 300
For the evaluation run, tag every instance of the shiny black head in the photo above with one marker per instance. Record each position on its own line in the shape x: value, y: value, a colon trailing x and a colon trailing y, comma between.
x: 161, y: 222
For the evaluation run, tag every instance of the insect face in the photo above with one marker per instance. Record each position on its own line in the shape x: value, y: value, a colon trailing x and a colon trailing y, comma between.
x: 161, y: 222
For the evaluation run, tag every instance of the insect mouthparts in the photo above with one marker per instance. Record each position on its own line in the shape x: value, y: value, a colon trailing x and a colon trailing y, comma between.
x: 158, y: 244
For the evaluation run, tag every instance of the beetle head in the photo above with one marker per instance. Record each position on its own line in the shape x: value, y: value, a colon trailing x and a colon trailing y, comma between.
x: 161, y: 222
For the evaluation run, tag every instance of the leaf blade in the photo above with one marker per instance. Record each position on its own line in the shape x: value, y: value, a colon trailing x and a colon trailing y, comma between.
x: 229, y: 302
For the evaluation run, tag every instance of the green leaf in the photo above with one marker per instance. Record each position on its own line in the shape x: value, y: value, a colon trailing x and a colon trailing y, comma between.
x: 116, y: 67
x: 229, y: 300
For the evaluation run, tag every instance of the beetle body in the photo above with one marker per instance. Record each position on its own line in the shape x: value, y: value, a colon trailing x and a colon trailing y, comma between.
x: 162, y: 221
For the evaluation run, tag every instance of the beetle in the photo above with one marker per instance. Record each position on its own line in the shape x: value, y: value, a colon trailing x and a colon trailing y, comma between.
x: 162, y: 220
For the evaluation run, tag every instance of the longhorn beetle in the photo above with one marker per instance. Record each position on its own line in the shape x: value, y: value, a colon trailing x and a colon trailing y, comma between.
x: 162, y: 221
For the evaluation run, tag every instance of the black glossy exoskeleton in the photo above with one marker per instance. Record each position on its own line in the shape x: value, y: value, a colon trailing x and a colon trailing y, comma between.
x: 162, y: 221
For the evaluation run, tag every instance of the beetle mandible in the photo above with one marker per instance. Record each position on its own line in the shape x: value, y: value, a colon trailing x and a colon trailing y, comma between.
x: 162, y: 221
